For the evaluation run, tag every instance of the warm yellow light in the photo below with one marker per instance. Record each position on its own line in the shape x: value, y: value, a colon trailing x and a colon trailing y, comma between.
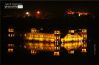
x: 25, y: 35
x: 38, y: 12
x: 10, y: 30
x: 52, y: 44
x: 41, y: 39
x: 10, y: 45
x: 30, y: 44
x: 71, y: 31
x: 84, y: 30
x: 34, y: 30
x: 56, y: 53
x: 84, y: 50
x: 11, y: 35
x: 52, y: 40
x: 33, y: 52
x: 27, y: 13
x: 71, y: 52
x: 29, y: 38
x: 10, y: 49
x: 41, y: 44
x: 57, y: 32
x: 85, y: 36
x: 85, y: 45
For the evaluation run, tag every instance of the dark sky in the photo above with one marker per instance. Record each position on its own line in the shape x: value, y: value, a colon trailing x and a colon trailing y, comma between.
x: 59, y: 5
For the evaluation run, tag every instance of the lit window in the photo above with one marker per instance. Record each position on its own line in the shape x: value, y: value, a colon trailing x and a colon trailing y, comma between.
x: 33, y: 52
x: 85, y: 36
x: 85, y: 45
x: 71, y: 52
x: 71, y: 31
x: 27, y: 13
x: 58, y: 48
x: 10, y: 45
x: 52, y: 45
x: 84, y: 50
x: 10, y: 30
x: 84, y: 30
x: 56, y: 54
x: 11, y: 35
x: 56, y: 32
x: 25, y: 35
x: 10, y: 49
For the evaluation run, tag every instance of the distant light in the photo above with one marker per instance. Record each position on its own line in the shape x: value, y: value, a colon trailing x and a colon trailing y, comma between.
x: 27, y: 13
x: 72, y: 52
x: 70, y: 12
x: 71, y: 31
x: 56, y: 32
x: 56, y: 53
x: 10, y: 30
x: 10, y: 49
x: 41, y: 28
x: 79, y: 14
x: 38, y: 12
x: 84, y: 50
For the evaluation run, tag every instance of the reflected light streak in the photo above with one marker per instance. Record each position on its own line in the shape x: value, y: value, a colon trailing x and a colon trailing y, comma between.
x: 69, y: 42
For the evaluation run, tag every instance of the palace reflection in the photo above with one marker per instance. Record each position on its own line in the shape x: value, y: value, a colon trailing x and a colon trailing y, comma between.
x: 36, y: 41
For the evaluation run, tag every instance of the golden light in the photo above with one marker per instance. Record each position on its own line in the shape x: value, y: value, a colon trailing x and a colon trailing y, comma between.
x: 27, y: 13
x: 10, y: 49
x: 38, y: 12
x: 56, y: 53
x: 57, y: 32
x: 85, y: 45
x: 29, y: 38
x: 79, y: 14
x: 71, y: 31
x: 10, y: 30
x: 30, y: 44
x: 84, y: 30
x: 52, y: 45
x: 84, y: 50
x: 33, y: 52
x: 11, y: 35
x: 71, y: 52
x: 34, y: 30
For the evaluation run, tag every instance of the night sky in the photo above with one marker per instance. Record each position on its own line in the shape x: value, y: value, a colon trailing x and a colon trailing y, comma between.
x: 53, y: 14
x: 55, y: 8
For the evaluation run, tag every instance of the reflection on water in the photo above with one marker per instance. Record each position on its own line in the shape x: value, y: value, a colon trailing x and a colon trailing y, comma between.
x: 51, y: 47
x: 40, y: 46
x: 52, y: 42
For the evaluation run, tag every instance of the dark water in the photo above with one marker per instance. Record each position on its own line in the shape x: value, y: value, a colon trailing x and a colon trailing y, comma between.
x: 23, y: 57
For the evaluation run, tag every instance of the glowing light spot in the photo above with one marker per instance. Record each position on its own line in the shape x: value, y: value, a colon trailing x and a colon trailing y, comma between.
x: 38, y: 12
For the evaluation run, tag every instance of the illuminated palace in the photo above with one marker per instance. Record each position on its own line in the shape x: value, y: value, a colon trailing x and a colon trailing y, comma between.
x: 52, y: 42
x: 42, y: 41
